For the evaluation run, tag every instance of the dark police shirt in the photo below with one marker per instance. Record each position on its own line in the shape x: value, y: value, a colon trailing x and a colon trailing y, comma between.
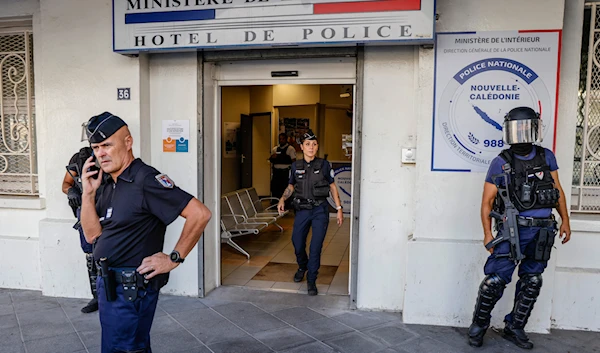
x: 134, y: 213
x: 325, y: 169
x: 496, y: 168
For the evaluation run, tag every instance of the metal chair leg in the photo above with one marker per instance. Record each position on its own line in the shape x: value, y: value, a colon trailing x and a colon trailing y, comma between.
x: 278, y: 226
x: 238, y: 248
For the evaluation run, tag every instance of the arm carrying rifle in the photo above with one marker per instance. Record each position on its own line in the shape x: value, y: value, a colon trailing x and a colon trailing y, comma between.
x: 510, y: 226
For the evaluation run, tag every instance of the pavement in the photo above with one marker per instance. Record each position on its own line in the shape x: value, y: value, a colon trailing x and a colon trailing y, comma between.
x: 232, y: 320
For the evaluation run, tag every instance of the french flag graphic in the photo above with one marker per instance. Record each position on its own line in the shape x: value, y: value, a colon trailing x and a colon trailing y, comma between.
x: 275, y: 9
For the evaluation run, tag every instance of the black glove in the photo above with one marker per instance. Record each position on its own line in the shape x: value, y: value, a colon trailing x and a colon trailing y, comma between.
x: 74, y: 197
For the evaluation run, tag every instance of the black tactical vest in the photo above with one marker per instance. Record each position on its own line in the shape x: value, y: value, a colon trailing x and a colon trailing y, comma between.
x: 281, y: 155
x: 79, y: 159
x: 531, y: 185
x: 311, y: 186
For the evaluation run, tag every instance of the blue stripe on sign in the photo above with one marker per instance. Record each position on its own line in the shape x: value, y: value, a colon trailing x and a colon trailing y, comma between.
x: 175, y: 16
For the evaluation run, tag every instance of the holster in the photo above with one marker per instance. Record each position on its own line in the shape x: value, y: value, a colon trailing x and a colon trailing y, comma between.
x: 543, y: 244
x: 108, y: 277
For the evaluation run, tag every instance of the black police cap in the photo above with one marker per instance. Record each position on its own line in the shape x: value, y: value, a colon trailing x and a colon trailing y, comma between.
x: 309, y: 135
x: 103, y: 126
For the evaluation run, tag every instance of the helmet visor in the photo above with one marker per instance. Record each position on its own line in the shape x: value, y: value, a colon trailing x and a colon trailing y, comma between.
x: 522, y: 131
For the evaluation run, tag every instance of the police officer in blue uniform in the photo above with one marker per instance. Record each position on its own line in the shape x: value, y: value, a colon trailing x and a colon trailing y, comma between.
x: 311, y: 181
x: 71, y: 186
x: 128, y: 223
x: 534, y: 188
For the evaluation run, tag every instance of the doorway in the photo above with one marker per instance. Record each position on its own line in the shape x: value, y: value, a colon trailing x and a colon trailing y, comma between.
x: 256, y: 250
x: 251, y: 79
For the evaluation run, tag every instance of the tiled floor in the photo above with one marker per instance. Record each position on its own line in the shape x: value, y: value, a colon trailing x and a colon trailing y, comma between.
x: 275, y: 246
x: 240, y: 320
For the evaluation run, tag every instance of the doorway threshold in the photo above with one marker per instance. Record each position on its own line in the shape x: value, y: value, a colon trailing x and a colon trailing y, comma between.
x: 277, y: 300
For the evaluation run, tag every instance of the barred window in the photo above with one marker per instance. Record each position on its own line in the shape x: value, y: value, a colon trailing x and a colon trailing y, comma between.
x: 18, y: 155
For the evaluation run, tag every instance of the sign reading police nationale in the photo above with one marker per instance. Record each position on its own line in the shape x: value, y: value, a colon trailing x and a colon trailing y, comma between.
x: 479, y: 78
x: 150, y: 25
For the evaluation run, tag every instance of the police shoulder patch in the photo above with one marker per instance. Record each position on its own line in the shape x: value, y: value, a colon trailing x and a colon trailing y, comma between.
x: 165, y: 181
x: 332, y: 173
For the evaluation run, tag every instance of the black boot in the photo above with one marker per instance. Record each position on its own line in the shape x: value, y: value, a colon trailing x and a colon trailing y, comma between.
x: 517, y: 336
x: 514, y: 331
x: 312, y: 288
x: 299, y: 276
x: 476, y: 335
x: 490, y: 291
x: 91, y: 306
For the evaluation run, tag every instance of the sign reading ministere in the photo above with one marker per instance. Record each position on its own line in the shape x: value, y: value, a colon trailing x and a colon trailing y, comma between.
x: 153, y: 25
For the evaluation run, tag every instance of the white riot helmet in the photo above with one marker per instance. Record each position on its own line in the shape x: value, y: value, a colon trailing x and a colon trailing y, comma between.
x: 522, y: 125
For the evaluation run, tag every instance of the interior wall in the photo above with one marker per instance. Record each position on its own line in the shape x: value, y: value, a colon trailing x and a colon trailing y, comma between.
x: 261, y: 151
x: 301, y: 111
x: 336, y: 124
x: 261, y: 101
x: 234, y: 102
x: 295, y: 94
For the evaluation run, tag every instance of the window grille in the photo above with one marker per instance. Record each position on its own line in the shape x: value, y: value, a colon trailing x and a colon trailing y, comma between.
x: 18, y: 158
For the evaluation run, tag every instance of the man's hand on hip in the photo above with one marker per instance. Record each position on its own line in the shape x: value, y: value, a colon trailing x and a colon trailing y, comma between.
x: 156, y: 264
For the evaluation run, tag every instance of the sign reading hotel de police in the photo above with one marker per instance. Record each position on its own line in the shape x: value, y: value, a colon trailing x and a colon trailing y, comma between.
x: 152, y: 25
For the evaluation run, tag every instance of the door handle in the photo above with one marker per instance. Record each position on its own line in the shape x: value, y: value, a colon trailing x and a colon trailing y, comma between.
x: 243, y: 157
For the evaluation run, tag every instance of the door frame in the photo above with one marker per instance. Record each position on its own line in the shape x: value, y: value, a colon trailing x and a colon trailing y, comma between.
x: 316, y: 71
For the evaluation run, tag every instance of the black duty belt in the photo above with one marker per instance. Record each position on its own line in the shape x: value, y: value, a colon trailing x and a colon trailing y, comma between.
x: 127, y: 275
x: 536, y: 222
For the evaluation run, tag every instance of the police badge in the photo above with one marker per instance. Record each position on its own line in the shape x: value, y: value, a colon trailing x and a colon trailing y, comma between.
x: 165, y: 181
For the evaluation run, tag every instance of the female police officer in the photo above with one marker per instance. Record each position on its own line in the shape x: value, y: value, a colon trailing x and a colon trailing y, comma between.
x: 312, y: 179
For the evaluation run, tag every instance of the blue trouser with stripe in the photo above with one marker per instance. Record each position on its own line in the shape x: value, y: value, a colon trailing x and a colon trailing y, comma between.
x: 318, y: 219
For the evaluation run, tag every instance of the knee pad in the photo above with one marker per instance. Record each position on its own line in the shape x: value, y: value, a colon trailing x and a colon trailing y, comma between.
x: 492, y: 285
x: 532, y: 281
x: 531, y: 285
x: 490, y: 291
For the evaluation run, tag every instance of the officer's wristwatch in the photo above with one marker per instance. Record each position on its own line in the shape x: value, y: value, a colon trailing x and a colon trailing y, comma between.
x: 176, y: 257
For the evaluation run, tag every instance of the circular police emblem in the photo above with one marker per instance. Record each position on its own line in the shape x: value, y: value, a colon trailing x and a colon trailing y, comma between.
x: 476, y: 100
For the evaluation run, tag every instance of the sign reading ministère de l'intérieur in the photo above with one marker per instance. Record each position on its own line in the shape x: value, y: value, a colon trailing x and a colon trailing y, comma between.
x: 153, y: 25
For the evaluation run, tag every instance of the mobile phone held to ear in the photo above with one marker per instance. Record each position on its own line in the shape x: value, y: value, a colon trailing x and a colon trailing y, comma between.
x: 95, y: 167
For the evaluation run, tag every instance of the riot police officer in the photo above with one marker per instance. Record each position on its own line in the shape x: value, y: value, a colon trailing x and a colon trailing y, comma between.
x: 312, y: 180
x: 534, y: 189
x: 71, y: 186
x: 128, y: 223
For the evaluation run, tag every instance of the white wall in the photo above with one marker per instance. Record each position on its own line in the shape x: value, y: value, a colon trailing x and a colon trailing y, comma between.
x: 173, y: 96
x: 387, y: 192
x: 19, y: 8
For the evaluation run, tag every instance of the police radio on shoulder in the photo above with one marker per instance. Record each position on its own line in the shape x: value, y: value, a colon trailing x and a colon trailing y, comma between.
x: 176, y: 257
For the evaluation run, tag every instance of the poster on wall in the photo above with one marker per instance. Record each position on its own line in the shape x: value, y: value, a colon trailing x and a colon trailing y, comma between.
x: 294, y: 128
x: 230, y: 131
x: 480, y: 77
x: 343, y: 179
x: 175, y: 135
